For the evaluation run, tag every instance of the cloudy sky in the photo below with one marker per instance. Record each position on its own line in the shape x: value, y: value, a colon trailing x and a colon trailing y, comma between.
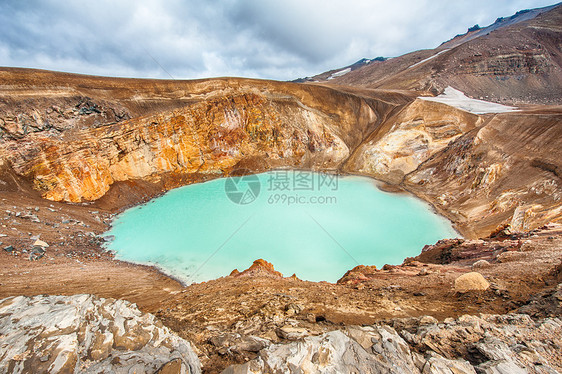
x: 274, y: 39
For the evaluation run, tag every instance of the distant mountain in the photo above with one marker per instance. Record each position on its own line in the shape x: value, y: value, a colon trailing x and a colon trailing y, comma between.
x: 517, y: 59
x: 332, y: 74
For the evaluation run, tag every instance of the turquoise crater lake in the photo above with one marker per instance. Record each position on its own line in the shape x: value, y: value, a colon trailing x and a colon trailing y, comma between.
x: 313, y: 224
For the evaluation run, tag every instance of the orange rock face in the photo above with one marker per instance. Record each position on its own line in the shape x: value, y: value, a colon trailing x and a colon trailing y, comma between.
x: 209, y: 137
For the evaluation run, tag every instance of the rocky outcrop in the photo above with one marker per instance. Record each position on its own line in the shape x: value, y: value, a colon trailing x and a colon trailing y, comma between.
x: 502, y: 172
x: 410, y: 138
x: 259, y: 267
x: 469, y: 344
x: 86, y: 334
x: 447, y: 251
x: 357, y: 274
x: 72, y: 113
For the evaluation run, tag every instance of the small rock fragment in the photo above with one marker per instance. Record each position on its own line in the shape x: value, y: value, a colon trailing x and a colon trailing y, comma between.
x: 292, y: 333
x: 481, y: 264
x: 40, y: 243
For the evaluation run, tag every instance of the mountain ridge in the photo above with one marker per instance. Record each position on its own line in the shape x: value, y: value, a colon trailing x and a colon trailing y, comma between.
x: 515, y: 60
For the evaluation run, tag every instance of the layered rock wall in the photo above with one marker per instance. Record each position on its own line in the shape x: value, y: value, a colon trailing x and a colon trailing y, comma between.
x: 504, y: 171
x: 75, y: 153
x: 209, y: 137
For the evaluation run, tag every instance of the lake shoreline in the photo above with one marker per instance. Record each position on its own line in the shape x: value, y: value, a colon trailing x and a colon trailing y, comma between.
x: 228, y: 214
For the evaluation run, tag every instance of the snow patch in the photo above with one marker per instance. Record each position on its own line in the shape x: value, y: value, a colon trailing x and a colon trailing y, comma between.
x: 340, y: 73
x: 429, y: 58
x: 457, y: 99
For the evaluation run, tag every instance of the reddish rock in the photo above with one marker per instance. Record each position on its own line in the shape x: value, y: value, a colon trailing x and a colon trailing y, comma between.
x: 389, y: 267
x: 359, y: 273
x: 260, y: 267
x: 557, y: 272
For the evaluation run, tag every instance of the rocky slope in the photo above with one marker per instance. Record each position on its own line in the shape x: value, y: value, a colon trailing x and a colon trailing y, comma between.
x: 487, y: 344
x: 508, y: 168
x: 517, y: 59
x: 86, y: 334
x: 478, y: 170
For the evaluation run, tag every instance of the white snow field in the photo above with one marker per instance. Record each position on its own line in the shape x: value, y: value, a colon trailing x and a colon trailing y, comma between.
x: 457, y: 99
x: 340, y: 73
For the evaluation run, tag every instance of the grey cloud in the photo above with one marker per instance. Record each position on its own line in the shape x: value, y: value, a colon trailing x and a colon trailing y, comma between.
x: 257, y: 38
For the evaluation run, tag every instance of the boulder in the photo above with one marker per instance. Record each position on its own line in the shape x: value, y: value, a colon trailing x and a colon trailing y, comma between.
x: 472, y: 281
x: 437, y: 364
x: 233, y: 342
x: 426, y: 320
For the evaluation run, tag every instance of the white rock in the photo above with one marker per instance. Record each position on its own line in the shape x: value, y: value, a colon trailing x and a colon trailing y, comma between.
x: 481, y: 264
x: 81, y: 334
x: 380, y: 349
x: 40, y: 243
x: 437, y: 364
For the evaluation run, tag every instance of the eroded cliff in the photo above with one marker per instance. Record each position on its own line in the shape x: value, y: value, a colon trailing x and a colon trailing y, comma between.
x: 507, y: 170
x: 77, y: 153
